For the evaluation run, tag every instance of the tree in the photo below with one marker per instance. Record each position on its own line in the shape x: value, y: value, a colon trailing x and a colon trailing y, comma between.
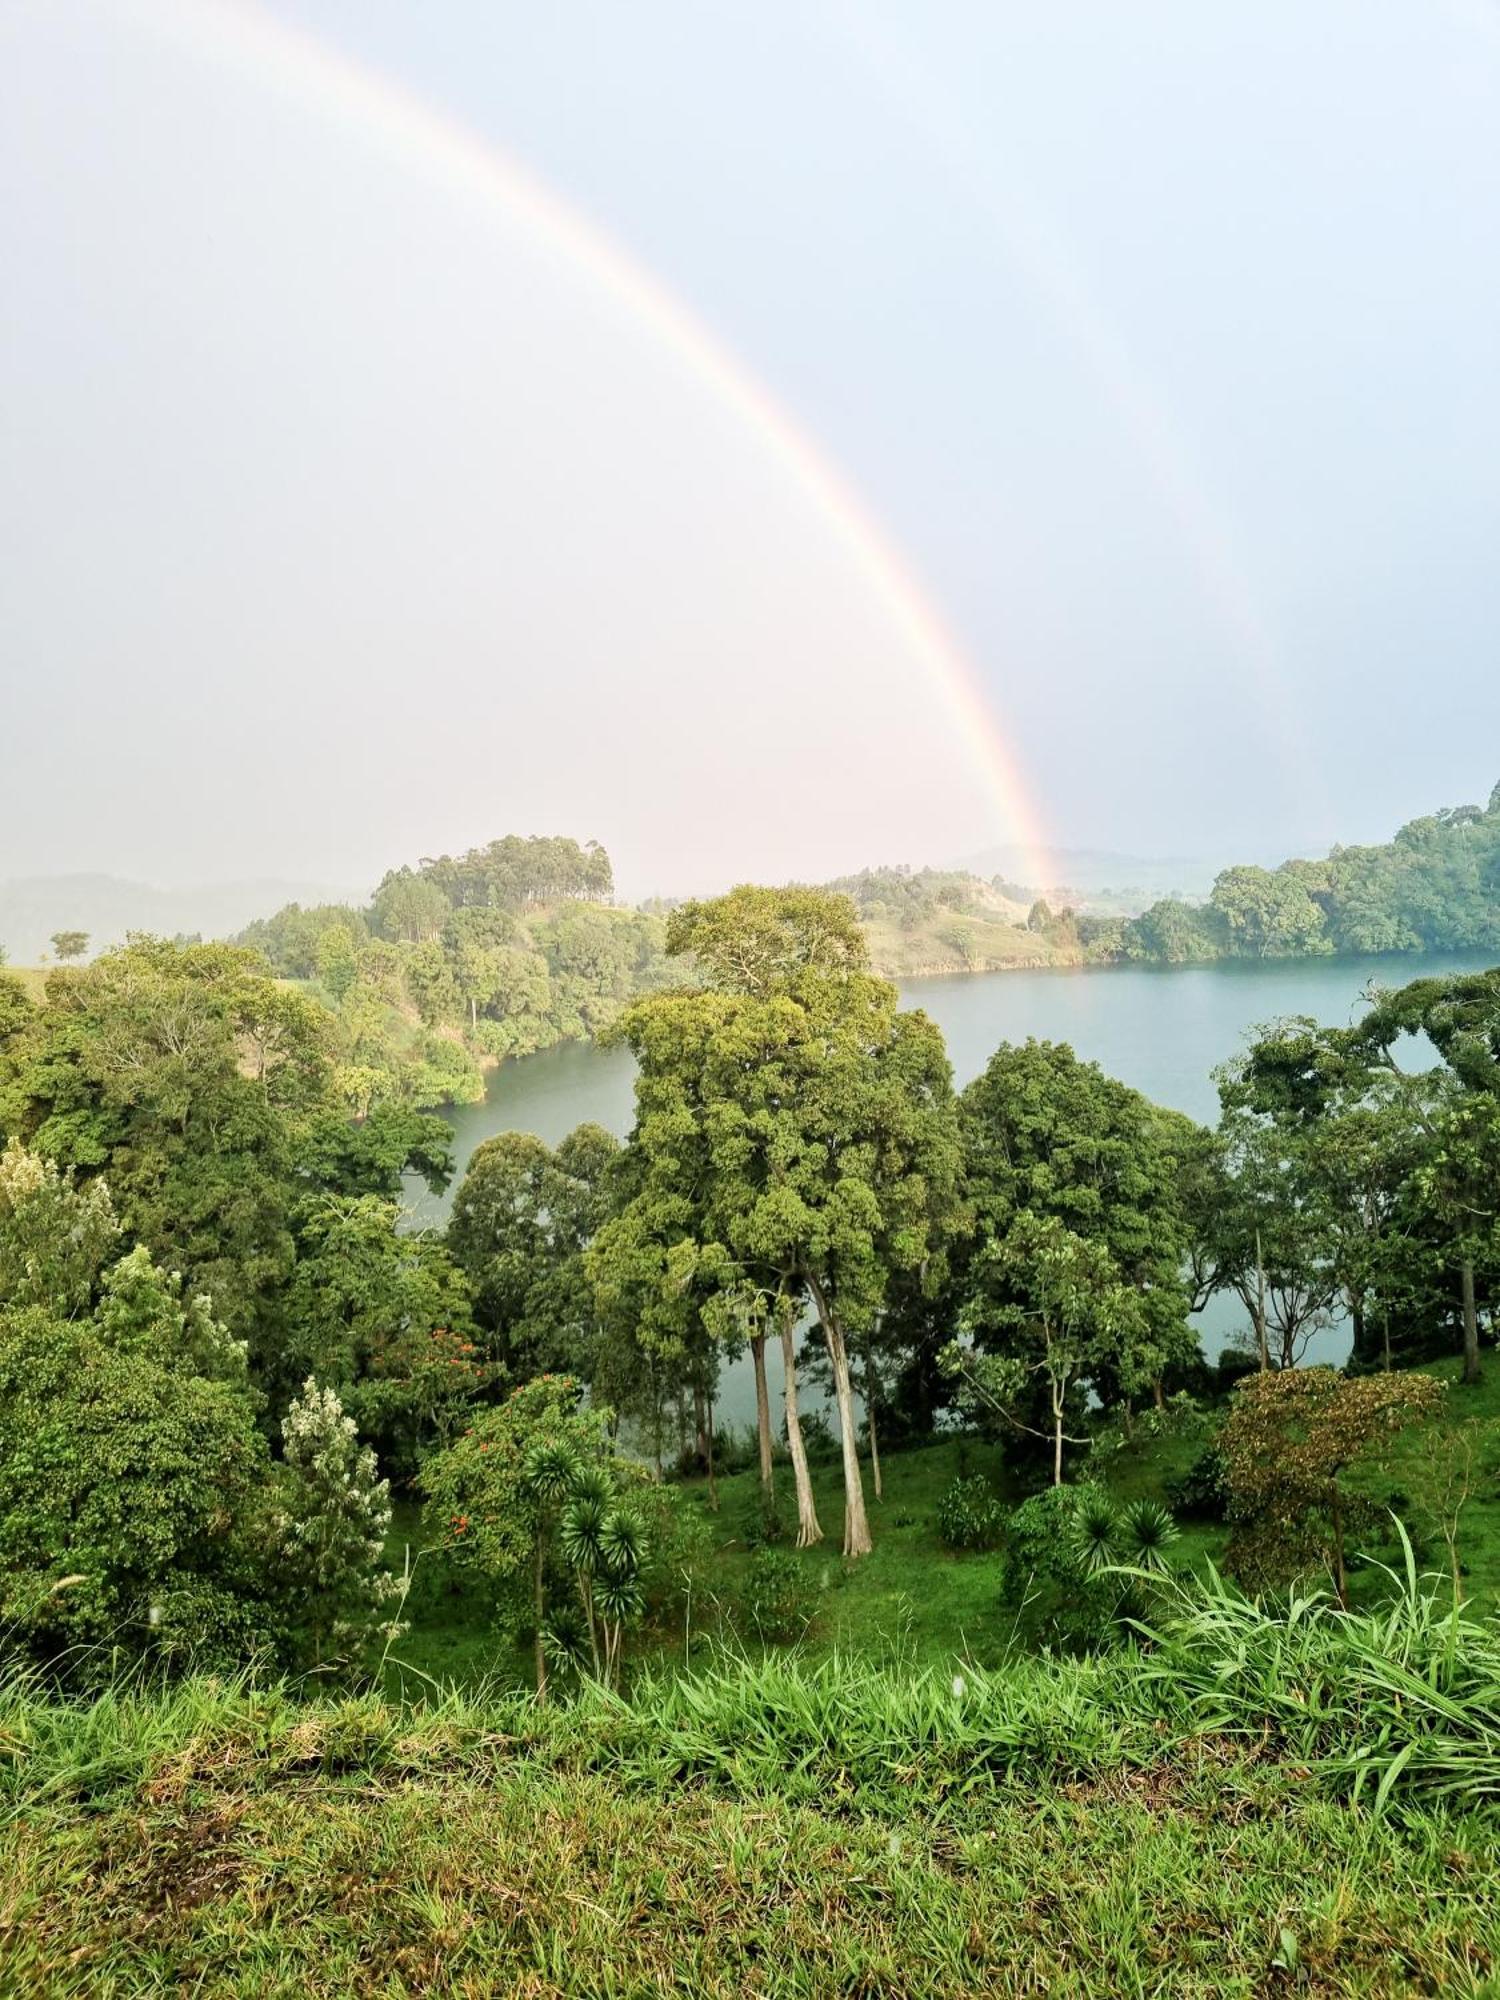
x: 1288, y: 1442
x: 522, y: 1220
x: 333, y: 1515
x: 188, y: 1078
x: 54, y: 1236
x: 337, y: 960
x: 1055, y: 1303
x: 1048, y: 1135
x: 69, y: 944
x: 1459, y: 1173
x: 133, y: 1503
x: 383, y: 1315
x: 496, y: 1496
x: 791, y: 1124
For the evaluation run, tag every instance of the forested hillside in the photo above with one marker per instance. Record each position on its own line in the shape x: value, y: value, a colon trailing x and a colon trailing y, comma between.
x: 1435, y: 887
x: 459, y: 962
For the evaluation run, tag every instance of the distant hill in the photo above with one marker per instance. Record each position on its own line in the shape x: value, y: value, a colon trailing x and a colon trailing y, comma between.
x: 108, y: 906
x: 1089, y: 875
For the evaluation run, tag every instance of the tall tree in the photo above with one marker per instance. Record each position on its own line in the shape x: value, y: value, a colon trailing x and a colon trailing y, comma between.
x: 793, y: 1119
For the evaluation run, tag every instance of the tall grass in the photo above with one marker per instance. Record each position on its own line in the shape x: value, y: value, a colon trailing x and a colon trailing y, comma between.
x: 1405, y: 1696
x: 1395, y: 1703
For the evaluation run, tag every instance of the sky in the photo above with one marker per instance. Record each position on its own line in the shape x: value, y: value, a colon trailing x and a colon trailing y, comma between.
x: 767, y: 439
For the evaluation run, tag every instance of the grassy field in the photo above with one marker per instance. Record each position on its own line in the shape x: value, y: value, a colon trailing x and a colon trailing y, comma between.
x: 33, y: 979
x: 1069, y: 1828
x: 911, y: 1600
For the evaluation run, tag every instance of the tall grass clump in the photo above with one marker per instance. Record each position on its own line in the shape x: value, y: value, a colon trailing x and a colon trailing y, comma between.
x: 1405, y: 1695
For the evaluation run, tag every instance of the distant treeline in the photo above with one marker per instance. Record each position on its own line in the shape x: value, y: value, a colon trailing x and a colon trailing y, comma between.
x: 502, y: 951
x: 1435, y: 887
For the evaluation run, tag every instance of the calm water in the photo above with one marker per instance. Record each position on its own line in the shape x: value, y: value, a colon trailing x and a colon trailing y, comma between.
x: 1163, y: 1030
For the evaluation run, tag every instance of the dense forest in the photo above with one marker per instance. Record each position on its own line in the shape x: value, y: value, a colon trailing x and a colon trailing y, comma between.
x: 457, y: 963
x: 1435, y: 887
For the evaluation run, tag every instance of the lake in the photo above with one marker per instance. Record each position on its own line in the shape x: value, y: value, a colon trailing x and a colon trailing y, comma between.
x: 1162, y: 1029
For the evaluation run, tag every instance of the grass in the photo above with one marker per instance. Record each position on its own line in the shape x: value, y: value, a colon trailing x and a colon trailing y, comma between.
x: 793, y: 1827
x: 33, y: 979
x: 913, y: 1599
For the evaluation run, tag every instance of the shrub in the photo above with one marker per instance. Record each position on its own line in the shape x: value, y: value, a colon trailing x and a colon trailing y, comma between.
x: 969, y: 1516
x: 1060, y: 1549
x: 777, y: 1600
x: 1199, y: 1494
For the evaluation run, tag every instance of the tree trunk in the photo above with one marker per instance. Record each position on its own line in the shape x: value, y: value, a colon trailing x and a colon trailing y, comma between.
x: 1260, y: 1308
x: 713, y: 1491
x: 809, y: 1529
x: 1158, y: 1394
x: 874, y: 1444
x: 1340, y: 1578
x: 762, y: 1412
x: 700, y: 1427
x: 856, y: 1525
x: 1471, y: 1323
x: 1057, y: 1436
x: 539, y: 1605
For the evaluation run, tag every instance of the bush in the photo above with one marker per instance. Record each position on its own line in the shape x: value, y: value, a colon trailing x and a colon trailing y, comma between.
x: 1200, y: 1494
x: 1060, y: 1546
x: 777, y: 1601
x: 969, y: 1516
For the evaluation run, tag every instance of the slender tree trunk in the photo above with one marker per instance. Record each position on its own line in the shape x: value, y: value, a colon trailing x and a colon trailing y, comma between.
x: 809, y: 1529
x: 1059, y: 1397
x: 762, y: 1412
x: 856, y: 1524
x: 1340, y: 1578
x: 874, y: 1445
x: 1471, y: 1323
x: 539, y: 1607
x: 1158, y: 1394
x: 1260, y: 1308
x: 700, y: 1426
x: 1387, y: 1322
x: 708, y: 1437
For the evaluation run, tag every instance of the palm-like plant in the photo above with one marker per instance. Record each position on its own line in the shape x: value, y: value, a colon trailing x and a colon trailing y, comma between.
x: 1147, y: 1533
x: 551, y: 1470
x: 1095, y: 1531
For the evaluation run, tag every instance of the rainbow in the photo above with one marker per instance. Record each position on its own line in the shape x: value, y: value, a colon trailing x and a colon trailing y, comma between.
x: 332, y: 87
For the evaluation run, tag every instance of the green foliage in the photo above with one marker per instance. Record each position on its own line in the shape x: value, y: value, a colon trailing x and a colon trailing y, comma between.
x: 778, y: 1600
x: 54, y: 1236
x: 1059, y: 1582
x: 333, y: 1512
x: 1435, y: 887
x: 133, y: 1503
x: 969, y: 1515
x: 521, y: 1224
x: 1200, y: 1493
x: 1289, y: 1440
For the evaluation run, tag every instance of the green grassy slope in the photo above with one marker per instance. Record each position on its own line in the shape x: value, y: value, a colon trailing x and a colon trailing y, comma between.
x: 1051, y: 1843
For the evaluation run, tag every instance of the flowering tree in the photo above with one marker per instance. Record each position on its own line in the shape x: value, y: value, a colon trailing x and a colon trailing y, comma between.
x: 334, y: 1517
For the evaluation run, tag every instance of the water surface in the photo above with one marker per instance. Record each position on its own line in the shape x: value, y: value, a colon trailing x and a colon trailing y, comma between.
x: 1162, y: 1029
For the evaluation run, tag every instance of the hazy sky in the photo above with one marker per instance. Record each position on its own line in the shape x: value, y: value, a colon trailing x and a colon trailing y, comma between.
x: 352, y: 509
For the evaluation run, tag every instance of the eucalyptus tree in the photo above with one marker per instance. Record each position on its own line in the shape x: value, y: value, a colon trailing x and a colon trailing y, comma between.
x: 793, y: 1126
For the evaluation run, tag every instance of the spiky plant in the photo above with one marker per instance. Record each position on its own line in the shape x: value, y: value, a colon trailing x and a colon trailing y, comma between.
x: 1147, y: 1533
x: 1096, y: 1528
